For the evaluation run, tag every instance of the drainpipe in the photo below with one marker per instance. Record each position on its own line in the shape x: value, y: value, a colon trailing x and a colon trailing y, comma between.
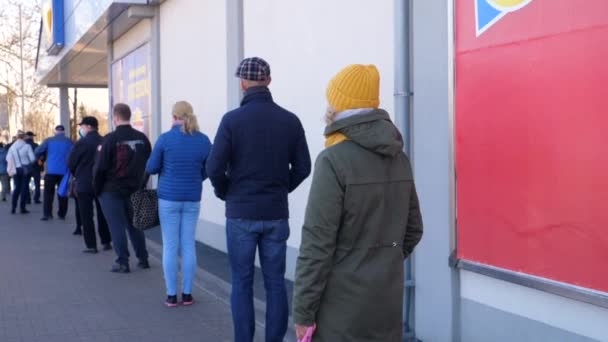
x: 403, y: 97
x: 235, y: 38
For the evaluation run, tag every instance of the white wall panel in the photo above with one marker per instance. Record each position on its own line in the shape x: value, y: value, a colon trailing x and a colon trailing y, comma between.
x: 193, y: 68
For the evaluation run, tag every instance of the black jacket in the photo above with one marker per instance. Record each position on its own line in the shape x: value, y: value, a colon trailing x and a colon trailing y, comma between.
x: 82, y: 159
x: 36, y: 168
x: 120, y: 161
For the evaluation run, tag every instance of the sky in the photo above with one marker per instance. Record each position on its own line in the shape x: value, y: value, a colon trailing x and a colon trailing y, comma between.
x: 94, y: 98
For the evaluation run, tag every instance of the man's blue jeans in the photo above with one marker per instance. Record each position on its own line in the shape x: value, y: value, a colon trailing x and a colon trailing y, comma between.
x: 243, y: 237
x: 20, y: 189
x: 178, y: 221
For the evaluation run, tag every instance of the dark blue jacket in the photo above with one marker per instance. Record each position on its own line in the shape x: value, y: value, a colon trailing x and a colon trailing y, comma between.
x: 259, y: 156
x: 56, y: 150
x: 179, y: 159
x: 82, y: 159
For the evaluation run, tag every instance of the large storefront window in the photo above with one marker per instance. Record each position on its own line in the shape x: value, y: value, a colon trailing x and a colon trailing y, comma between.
x: 531, y: 161
x: 131, y: 85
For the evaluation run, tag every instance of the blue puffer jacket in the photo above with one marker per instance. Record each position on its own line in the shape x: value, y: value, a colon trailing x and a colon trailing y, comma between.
x: 180, y: 159
x: 56, y: 149
x: 3, y: 163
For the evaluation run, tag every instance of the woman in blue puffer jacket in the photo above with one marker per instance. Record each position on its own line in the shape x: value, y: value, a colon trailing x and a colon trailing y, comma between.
x: 179, y: 158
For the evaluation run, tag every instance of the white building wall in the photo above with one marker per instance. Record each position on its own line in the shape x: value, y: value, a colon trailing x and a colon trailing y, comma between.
x: 193, y: 68
x: 561, y: 313
x: 306, y: 43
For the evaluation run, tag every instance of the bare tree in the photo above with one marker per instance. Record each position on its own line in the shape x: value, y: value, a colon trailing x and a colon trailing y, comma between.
x: 102, y: 118
x: 40, y: 101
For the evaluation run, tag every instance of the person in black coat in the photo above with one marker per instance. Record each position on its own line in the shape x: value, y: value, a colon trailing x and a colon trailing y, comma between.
x: 36, y: 170
x: 80, y: 163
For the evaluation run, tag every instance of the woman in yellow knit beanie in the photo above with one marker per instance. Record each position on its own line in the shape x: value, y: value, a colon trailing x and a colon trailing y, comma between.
x: 355, y: 87
x: 362, y: 220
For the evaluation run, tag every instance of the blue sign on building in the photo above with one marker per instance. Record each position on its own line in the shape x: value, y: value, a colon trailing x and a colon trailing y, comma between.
x: 53, y: 23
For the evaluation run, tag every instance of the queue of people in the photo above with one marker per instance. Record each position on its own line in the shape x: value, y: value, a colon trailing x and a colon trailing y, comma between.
x: 362, y: 218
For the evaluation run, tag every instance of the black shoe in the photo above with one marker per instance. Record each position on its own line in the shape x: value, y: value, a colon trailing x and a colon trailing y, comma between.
x: 118, y: 268
x: 143, y: 264
x: 107, y: 247
x: 187, y: 299
x: 45, y: 218
x: 78, y: 231
x: 13, y: 211
x: 90, y: 251
x: 171, y: 301
x: 25, y: 211
x: 37, y: 202
x: 4, y: 200
x: 61, y: 217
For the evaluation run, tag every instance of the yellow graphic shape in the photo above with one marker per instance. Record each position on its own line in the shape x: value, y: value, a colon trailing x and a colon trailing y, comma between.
x: 47, y: 14
x: 508, y: 5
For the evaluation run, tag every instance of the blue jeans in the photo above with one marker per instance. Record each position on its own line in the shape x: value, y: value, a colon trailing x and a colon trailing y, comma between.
x: 20, y: 189
x: 116, y: 212
x: 243, y: 237
x: 178, y: 221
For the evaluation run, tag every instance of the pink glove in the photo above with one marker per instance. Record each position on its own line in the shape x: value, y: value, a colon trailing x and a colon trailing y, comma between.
x: 309, y: 332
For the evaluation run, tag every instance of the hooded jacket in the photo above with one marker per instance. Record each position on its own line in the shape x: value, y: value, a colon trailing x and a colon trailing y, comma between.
x: 362, y: 220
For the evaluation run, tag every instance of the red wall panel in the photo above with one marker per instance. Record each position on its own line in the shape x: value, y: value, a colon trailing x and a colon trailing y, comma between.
x: 532, y: 140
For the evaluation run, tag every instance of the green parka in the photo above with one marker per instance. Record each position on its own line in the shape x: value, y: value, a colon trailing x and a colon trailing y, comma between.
x: 362, y: 221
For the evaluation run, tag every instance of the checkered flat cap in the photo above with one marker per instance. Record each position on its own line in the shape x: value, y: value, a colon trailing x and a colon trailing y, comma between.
x: 253, y: 69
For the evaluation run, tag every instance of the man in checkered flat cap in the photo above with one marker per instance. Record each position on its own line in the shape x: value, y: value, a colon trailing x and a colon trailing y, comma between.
x: 259, y: 156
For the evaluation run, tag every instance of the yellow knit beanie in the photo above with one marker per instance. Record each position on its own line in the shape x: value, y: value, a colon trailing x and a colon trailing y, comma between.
x: 356, y: 86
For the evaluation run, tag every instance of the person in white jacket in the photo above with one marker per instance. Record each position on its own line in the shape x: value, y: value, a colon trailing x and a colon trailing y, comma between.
x: 22, y: 156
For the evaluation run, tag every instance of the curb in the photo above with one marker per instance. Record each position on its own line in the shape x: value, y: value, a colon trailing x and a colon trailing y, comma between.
x: 220, y: 289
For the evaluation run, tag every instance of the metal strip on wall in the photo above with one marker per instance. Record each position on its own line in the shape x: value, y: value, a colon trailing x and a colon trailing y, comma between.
x: 580, y: 294
x: 155, y: 76
x: 451, y: 15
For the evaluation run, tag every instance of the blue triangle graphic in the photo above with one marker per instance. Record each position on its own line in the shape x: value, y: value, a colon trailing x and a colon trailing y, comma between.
x: 486, y: 15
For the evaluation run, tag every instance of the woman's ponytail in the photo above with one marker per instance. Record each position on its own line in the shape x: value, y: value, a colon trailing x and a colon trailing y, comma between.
x: 190, y: 124
x: 182, y: 111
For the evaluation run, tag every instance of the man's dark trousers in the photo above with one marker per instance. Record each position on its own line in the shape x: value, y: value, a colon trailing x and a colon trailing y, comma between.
x: 50, y: 182
x: 116, y: 213
x: 36, y: 177
x: 85, y: 205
